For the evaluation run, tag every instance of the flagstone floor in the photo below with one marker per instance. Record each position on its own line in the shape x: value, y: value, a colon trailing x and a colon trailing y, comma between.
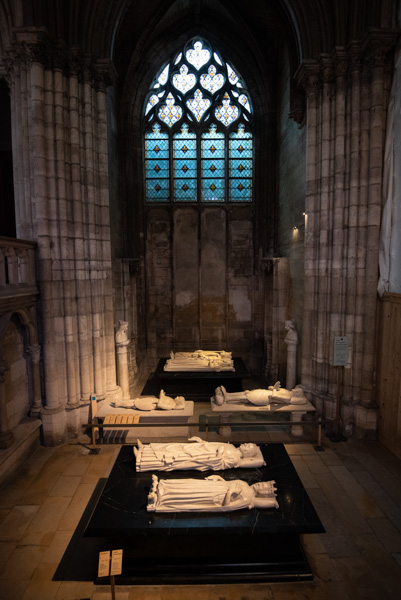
x: 355, y: 488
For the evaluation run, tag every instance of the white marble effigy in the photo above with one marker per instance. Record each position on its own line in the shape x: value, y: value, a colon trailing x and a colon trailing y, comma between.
x: 200, y: 360
x: 212, y: 494
x: 196, y: 454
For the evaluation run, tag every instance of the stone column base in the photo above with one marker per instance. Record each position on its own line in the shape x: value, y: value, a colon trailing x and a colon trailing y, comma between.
x: 73, y: 416
x: 54, y: 426
x: 365, y: 418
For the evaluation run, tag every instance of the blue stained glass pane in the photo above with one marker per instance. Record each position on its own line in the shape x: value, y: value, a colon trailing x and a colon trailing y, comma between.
x: 185, y: 190
x: 213, y: 168
x: 157, y: 191
x: 225, y: 112
x: 162, y: 79
x: 153, y: 100
x: 232, y: 75
x: 241, y: 165
x: 240, y: 190
x: 213, y: 190
x: 198, y: 104
x: 156, y: 165
x: 241, y: 168
x: 184, y: 81
x: 198, y: 56
x: 169, y: 113
x: 212, y: 81
x: 184, y: 153
x: 244, y: 100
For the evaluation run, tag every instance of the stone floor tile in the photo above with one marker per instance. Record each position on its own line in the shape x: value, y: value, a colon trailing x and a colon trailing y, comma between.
x: 41, y: 586
x: 365, y: 504
x: 397, y: 557
x: 147, y: 592
x: 337, y: 541
x: 379, y: 561
x: 315, y: 463
x: 71, y: 517
x: 71, y: 590
x: 57, y: 547
x: 22, y: 562
x: 14, y: 492
x: 83, y: 493
x: 344, y: 507
x: 184, y: 592
x: 6, y: 549
x: 77, y: 466
x: 386, y: 504
x: 49, y: 515
x: 11, y: 589
x: 389, y: 536
x: 362, y: 582
x: 65, y: 485
x: 15, y: 524
x: 304, y: 473
x: 312, y: 543
x: 323, y: 567
x: 241, y: 591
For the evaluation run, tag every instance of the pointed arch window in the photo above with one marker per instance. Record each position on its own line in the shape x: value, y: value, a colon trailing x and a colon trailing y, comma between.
x: 198, y: 130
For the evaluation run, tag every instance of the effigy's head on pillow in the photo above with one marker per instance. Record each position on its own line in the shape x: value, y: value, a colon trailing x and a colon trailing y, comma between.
x: 247, y: 450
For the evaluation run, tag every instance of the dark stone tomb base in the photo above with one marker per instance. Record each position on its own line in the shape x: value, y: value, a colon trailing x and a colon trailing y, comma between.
x: 195, y: 385
x: 243, y: 546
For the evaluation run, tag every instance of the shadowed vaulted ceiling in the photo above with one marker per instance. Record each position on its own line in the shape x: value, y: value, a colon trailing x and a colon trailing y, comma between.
x: 106, y: 29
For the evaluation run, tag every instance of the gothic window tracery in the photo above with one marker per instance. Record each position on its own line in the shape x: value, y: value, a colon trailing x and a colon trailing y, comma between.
x: 198, y: 130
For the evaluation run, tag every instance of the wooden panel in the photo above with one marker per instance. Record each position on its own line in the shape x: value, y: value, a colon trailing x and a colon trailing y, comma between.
x: 389, y: 373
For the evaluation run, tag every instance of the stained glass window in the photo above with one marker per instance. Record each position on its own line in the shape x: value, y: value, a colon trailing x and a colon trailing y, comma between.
x: 198, y: 130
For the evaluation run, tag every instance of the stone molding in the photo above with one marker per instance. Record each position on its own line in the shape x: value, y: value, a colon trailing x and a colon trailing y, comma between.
x: 34, y: 45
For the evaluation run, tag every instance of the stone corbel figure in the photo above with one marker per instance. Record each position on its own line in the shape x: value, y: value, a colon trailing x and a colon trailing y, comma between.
x: 121, y: 334
x: 122, y: 342
x: 291, y: 339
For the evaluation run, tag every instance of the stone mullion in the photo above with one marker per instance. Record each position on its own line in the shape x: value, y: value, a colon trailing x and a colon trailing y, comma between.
x: 352, y: 321
x: 109, y: 349
x: 80, y: 247
x: 92, y: 241
x: 374, y: 207
x: 67, y: 273
x: 336, y: 241
x: 100, y: 268
x: 311, y: 229
x: 53, y: 202
x: 323, y: 248
x: 41, y: 224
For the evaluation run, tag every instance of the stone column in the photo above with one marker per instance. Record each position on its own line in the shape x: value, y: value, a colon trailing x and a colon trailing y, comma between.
x: 34, y: 352
x: 122, y: 342
x: 291, y: 340
x: 6, y: 436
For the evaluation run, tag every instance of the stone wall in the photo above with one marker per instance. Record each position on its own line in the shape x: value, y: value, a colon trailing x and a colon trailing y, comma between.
x: 291, y: 200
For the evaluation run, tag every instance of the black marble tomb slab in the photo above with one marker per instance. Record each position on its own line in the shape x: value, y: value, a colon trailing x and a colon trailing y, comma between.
x: 245, y: 545
x: 195, y: 385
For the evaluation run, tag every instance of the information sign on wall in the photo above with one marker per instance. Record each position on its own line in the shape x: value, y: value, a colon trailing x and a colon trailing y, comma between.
x: 340, y: 351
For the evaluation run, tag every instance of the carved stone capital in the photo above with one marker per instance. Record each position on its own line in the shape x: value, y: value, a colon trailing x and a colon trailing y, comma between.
x: 308, y: 77
x: 104, y: 74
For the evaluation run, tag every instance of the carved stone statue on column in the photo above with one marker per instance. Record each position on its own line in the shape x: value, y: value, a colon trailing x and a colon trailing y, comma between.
x: 6, y: 436
x: 34, y: 352
x: 291, y: 339
x: 122, y: 342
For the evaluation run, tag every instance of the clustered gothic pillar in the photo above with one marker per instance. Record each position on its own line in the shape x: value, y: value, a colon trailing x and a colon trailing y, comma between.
x: 61, y: 189
x: 345, y: 148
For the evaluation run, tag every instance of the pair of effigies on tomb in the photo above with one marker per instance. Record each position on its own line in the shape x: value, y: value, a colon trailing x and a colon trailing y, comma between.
x: 200, y: 360
x: 212, y: 494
